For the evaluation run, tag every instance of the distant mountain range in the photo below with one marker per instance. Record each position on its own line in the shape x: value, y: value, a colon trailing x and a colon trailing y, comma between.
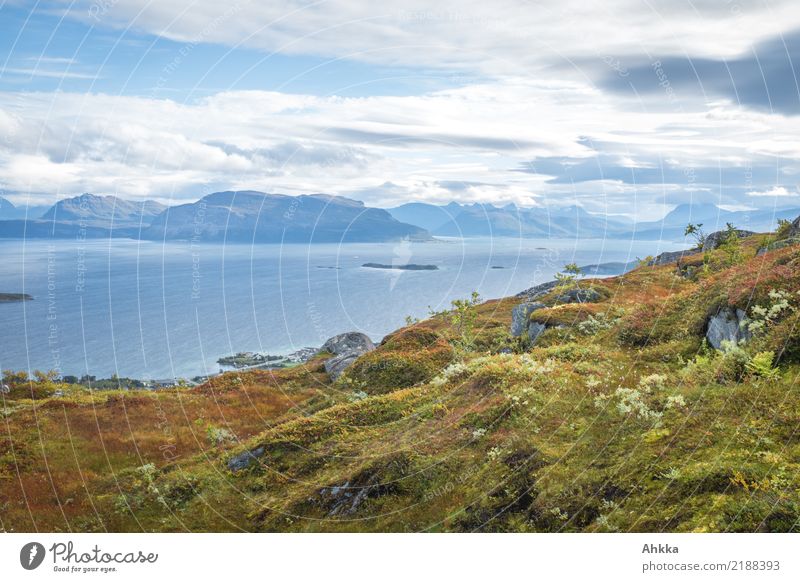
x: 257, y: 217
x: 249, y: 216
x: 510, y: 221
x: 242, y: 216
x: 574, y: 222
x: 713, y: 218
x: 9, y: 211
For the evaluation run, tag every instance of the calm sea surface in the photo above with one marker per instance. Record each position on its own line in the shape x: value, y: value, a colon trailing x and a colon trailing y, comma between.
x: 155, y: 310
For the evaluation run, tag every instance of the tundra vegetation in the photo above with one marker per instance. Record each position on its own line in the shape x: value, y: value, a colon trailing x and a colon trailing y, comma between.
x: 619, y: 417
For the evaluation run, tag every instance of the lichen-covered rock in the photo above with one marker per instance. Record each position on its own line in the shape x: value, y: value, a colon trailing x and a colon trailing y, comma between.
x: 779, y: 244
x: 579, y: 296
x: 727, y: 325
x: 346, y: 343
x: 244, y: 460
x: 381, y: 479
x: 537, y: 291
x: 535, y: 329
x: 345, y: 347
x: 715, y: 239
x: 794, y: 230
x: 520, y: 316
x: 672, y: 257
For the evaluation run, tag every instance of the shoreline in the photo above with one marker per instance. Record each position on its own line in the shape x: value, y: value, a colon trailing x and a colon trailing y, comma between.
x: 259, y: 360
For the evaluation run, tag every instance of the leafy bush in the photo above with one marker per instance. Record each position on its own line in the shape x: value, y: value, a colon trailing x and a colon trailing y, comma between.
x: 219, y: 436
x: 462, y: 317
x: 597, y: 323
x: 764, y: 316
x: 784, y: 228
x: 761, y: 365
x: 724, y: 367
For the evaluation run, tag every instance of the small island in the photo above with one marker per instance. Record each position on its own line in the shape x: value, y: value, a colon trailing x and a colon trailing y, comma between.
x: 14, y: 297
x: 406, y: 267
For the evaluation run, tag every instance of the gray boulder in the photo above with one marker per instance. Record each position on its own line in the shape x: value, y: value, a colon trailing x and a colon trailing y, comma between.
x: 794, y: 230
x: 244, y: 460
x: 537, y: 291
x: 345, y: 343
x: 578, y: 296
x: 535, y: 329
x: 779, y: 244
x: 520, y: 316
x: 715, y: 239
x: 727, y: 325
x: 345, y: 347
x: 672, y: 257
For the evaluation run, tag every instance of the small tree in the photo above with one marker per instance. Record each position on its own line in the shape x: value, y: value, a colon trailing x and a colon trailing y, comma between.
x: 568, y: 277
x: 731, y: 245
x: 696, y: 232
x: 784, y: 228
x: 462, y: 317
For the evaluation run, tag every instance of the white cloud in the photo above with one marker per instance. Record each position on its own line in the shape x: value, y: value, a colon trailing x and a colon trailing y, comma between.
x: 50, y: 74
x: 775, y: 192
x: 466, y: 143
x: 499, y: 37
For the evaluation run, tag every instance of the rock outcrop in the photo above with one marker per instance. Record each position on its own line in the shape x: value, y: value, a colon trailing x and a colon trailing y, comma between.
x: 535, y: 329
x: 712, y: 241
x: 715, y: 239
x: 521, y: 324
x: 727, y: 325
x: 244, y: 460
x: 537, y: 290
x: 578, y: 296
x: 345, y: 347
x: 521, y: 315
x: 672, y: 257
x: 779, y: 244
x: 791, y: 238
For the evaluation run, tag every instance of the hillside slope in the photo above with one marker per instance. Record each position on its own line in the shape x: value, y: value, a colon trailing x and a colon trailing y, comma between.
x: 610, y: 412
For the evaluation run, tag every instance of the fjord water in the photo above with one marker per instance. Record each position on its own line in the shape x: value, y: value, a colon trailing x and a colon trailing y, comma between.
x: 155, y: 310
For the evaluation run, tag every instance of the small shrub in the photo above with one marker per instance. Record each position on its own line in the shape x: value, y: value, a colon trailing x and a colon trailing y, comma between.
x: 596, y: 323
x: 696, y: 232
x: 763, y: 317
x: 724, y: 367
x: 462, y: 317
x: 731, y: 246
x: 218, y: 436
x: 761, y: 365
x: 784, y: 228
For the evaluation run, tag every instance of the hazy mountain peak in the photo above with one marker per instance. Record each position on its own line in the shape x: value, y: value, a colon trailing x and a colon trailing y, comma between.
x: 102, y: 210
x: 249, y: 216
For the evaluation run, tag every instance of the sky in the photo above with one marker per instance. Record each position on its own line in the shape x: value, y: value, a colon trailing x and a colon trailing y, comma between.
x: 621, y: 106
